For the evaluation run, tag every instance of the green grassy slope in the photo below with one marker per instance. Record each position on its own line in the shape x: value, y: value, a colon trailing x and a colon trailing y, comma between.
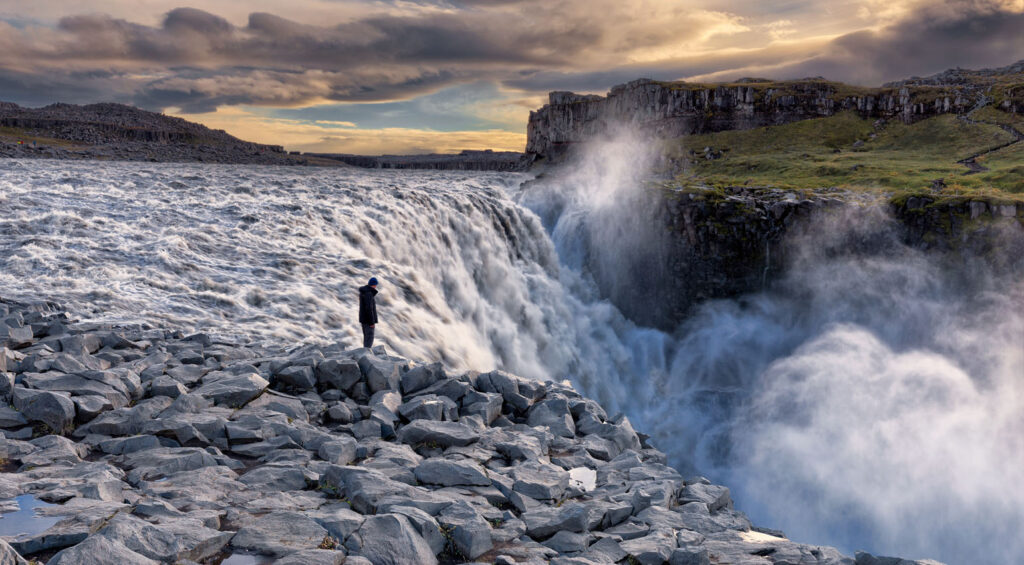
x: 850, y: 152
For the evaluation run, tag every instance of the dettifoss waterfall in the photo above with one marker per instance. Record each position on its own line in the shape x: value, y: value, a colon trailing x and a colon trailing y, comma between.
x: 865, y: 400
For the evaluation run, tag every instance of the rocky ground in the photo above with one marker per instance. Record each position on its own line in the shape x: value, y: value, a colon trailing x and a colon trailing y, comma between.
x: 151, y: 446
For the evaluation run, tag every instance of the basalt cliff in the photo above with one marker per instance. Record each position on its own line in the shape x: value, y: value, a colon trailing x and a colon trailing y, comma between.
x: 675, y: 109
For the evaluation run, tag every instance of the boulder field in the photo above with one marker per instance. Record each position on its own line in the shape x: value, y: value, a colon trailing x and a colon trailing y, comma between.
x: 147, y: 446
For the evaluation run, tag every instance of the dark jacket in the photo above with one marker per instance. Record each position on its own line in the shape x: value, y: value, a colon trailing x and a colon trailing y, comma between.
x: 367, y: 305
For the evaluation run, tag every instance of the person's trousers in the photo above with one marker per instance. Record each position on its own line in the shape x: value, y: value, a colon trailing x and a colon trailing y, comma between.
x: 367, y: 335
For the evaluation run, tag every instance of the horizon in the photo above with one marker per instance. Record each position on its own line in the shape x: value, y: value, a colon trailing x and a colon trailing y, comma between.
x: 441, y: 76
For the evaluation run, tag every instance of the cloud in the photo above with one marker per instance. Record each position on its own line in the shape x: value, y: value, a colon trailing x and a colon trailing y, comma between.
x: 312, y: 136
x: 342, y: 53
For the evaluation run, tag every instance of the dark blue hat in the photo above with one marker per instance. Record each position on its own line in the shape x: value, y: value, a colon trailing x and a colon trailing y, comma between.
x: 373, y: 281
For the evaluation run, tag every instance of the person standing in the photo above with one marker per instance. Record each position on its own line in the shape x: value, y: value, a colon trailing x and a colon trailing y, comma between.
x: 368, y: 310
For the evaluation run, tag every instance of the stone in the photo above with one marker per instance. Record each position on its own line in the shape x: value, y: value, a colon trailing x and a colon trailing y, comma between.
x: 233, y: 391
x: 469, y: 532
x: 339, y: 451
x: 652, y: 549
x: 10, y: 557
x: 280, y: 533
x: 11, y: 418
x: 269, y: 478
x: 483, y: 404
x: 55, y: 410
x: 314, y: 557
x: 429, y: 407
x: 338, y: 519
x: 170, y: 541
x: 715, y: 496
x: 421, y: 377
x: 340, y: 413
x: 390, y: 539
x: 568, y: 542
x: 443, y: 434
x: 339, y: 374
x: 166, y: 386
x: 689, y: 556
x: 380, y: 374
x: 605, y: 550
x: 446, y: 472
x: 544, y: 521
x: 6, y: 380
x: 99, y: 550
x: 299, y: 377
x: 540, y: 481
x: 553, y: 413
x: 425, y: 525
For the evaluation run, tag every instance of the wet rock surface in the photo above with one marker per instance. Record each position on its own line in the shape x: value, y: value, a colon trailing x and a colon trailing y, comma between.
x: 195, y: 466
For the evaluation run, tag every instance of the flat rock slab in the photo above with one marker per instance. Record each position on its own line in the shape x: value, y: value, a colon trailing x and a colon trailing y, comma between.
x: 233, y: 391
x: 442, y: 434
x: 280, y: 533
x: 390, y: 539
x: 100, y: 550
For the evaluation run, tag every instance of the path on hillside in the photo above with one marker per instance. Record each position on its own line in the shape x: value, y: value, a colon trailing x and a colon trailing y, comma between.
x: 971, y: 162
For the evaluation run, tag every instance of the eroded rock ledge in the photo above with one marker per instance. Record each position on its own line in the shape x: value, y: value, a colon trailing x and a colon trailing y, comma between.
x: 156, y: 447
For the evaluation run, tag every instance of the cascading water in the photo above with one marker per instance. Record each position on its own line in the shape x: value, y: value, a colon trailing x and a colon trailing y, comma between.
x: 864, y: 400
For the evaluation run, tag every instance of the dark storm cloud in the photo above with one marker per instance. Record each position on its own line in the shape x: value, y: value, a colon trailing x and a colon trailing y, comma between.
x: 967, y: 34
x: 199, y: 61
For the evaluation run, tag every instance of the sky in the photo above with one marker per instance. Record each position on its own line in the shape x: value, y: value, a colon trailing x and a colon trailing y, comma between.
x: 417, y: 76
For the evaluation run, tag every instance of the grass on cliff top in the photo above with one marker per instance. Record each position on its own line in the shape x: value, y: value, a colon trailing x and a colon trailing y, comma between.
x: 14, y: 135
x: 821, y: 152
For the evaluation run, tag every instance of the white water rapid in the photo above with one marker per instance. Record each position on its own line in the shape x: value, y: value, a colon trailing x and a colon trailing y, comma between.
x: 865, y: 401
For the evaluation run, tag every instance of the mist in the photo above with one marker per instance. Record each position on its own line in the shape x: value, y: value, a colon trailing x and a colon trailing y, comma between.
x: 870, y: 398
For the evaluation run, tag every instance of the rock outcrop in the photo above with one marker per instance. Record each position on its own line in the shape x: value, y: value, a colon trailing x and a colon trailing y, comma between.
x: 675, y: 109
x: 201, y: 447
x: 120, y: 132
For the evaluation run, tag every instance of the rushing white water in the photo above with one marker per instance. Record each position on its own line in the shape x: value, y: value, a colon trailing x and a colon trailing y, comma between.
x: 866, y: 401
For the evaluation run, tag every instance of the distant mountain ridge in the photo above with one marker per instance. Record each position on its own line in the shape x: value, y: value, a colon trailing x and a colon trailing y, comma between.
x: 120, y: 132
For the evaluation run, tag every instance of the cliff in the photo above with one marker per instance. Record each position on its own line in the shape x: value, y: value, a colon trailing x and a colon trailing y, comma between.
x: 676, y: 109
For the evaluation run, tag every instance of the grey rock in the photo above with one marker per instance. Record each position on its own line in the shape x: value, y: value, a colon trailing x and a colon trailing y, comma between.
x: 652, y: 549
x: 380, y: 374
x: 444, y: 434
x: 390, y: 539
x: 568, y: 542
x: 314, y: 557
x: 280, y: 533
x: 6, y: 379
x: 448, y: 473
x: 470, y: 532
x: 429, y: 407
x: 166, y: 386
x: 553, y: 413
x: 269, y: 478
x: 10, y: 557
x: 11, y: 418
x: 715, y: 496
x: 171, y: 541
x: 340, y: 412
x: 55, y: 410
x: 299, y: 377
x: 421, y: 377
x: 233, y: 391
x: 339, y: 451
x: 339, y: 374
x: 605, y: 550
x: 540, y: 480
x: 425, y: 525
x: 339, y: 520
x: 99, y: 550
x: 367, y: 429
x: 690, y: 556
x: 864, y: 558
x: 546, y: 520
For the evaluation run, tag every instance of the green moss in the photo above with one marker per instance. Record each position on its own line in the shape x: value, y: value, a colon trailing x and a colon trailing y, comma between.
x: 819, y: 153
